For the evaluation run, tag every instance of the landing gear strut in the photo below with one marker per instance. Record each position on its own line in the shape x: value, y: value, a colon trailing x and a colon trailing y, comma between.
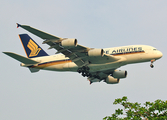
x: 151, y: 65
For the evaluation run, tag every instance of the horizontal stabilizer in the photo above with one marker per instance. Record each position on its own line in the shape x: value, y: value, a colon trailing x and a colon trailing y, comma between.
x: 21, y: 58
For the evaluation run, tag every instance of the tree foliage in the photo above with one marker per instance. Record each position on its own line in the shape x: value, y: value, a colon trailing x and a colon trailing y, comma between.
x: 156, y: 110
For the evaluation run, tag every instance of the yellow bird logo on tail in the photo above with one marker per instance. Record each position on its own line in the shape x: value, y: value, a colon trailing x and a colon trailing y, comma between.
x: 34, y: 48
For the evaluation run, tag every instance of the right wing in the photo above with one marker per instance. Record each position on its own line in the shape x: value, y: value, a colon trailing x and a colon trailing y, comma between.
x: 53, y: 42
x: 78, y: 54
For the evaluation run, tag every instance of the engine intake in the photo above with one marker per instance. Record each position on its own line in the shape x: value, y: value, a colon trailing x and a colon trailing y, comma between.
x: 111, y: 80
x: 119, y: 74
x: 69, y: 43
x: 96, y: 52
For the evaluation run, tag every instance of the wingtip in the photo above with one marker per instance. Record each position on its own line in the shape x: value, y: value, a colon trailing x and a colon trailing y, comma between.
x: 5, y: 53
x: 18, y: 25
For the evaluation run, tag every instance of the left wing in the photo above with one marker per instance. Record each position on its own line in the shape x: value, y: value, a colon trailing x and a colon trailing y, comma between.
x: 79, y: 54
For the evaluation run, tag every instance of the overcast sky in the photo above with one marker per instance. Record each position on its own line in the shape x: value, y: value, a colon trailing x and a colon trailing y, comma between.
x: 48, y: 95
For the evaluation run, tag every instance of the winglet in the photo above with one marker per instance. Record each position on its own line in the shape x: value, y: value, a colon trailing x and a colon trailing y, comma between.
x: 18, y: 25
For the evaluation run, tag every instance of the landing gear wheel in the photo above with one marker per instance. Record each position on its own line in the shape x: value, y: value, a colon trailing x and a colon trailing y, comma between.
x: 79, y: 70
x: 83, y: 74
x: 87, y: 74
x: 151, y: 65
x: 84, y: 71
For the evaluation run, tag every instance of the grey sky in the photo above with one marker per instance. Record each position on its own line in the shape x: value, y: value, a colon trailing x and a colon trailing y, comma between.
x: 48, y: 95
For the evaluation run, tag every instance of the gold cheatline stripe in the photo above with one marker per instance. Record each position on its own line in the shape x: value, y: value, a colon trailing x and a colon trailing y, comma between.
x: 52, y: 63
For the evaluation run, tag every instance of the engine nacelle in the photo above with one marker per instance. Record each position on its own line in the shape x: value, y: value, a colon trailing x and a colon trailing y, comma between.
x: 119, y: 74
x: 111, y: 80
x: 68, y: 43
x: 96, y: 52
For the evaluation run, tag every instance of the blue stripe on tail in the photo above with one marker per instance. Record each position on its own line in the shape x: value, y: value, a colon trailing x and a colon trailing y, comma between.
x: 32, y: 49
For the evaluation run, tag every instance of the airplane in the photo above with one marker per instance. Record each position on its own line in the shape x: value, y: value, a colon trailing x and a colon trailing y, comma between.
x: 95, y: 64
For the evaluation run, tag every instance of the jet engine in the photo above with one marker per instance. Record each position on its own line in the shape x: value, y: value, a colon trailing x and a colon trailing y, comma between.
x: 119, y: 74
x: 96, y: 52
x: 68, y: 43
x: 111, y: 80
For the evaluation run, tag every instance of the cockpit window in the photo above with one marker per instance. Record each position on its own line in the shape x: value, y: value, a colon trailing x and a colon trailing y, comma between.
x: 154, y: 49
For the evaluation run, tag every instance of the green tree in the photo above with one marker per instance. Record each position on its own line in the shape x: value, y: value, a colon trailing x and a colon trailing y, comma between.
x: 156, y: 110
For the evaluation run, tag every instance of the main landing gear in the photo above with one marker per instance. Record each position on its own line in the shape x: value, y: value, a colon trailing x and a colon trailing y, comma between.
x: 151, y: 65
x: 84, y: 71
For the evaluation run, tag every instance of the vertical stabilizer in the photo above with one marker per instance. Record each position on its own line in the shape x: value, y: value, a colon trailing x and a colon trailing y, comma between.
x: 32, y: 49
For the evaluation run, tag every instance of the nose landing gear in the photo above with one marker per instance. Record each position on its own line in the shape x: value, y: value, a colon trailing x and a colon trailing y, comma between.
x: 151, y: 65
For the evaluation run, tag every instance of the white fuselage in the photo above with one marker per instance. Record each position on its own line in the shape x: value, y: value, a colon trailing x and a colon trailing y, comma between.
x: 128, y: 55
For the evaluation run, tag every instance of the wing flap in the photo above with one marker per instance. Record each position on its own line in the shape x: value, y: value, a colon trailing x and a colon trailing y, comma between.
x: 21, y: 58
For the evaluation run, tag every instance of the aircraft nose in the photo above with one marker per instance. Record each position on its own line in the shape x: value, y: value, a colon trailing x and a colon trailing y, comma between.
x: 160, y: 54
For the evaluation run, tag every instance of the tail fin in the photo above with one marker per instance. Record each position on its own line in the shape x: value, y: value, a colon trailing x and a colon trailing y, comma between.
x: 32, y: 49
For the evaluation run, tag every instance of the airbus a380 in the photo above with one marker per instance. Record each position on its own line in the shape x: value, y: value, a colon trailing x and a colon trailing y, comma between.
x: 96, y: 64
